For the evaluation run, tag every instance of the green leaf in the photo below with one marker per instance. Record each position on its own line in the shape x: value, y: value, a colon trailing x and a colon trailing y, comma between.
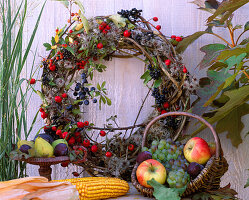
x: 237, y: 27
x: 69, y: 85
x: 227, y: 8
x: 78, y: 3
x: 103, y: 99
x: 161, y: 192
x: 70, y: 49
x: 103, y: 84
x: 98, y: 86
x: 48, y: 46
x: 237, y: 97
x: 246, y: 27
x: 182, y: 46
x: 157, y: 83
x: 233, y: 125
x: 118, y: 20
x: 52, y: 83
x: 76, y: 111
x: 53, y: 41
x: 247, y: 183
x: 109, y: 102
x: 227, y: 53
x: 211, y: 52
x: 146, y: 73
x: 85, y: 22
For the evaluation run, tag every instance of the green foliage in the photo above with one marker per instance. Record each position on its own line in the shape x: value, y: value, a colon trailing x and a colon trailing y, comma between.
x: 161, y: 192
x: 14, y: 95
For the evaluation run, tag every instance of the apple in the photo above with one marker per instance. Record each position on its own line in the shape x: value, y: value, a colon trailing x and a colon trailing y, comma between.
x: 212, y: 148
x: 149, y: 169
x: 197, y: 150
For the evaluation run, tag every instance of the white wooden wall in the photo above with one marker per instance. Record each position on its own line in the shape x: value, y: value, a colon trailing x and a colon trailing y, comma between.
x: 126, y: 90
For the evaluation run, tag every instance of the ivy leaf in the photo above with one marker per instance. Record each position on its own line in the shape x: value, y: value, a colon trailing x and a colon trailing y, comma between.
x: 246, y: 27
x: 227, y: 8
x: 70, y: 49
x: 182, y: 46
x: 211, y: 52
x: 233, y: 125
x: 48, y: 46
x: 237, y: 97
x: 118, y: 20
x: 157, y: 83
x: 161, y: 192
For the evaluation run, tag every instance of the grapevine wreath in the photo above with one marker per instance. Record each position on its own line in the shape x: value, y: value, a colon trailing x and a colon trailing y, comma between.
x: 77, y: 51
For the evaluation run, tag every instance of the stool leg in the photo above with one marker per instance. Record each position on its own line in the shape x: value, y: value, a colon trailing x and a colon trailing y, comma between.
x: 45, y: 171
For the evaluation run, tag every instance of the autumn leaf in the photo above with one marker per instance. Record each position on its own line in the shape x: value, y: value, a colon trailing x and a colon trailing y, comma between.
x: 56, y: 38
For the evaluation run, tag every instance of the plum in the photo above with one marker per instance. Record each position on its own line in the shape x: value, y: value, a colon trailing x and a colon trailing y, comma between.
x: 46, y: 137
x: 25, y: 148
x: 194, y: 169
x: 143, y: 156
x: 61, y: 149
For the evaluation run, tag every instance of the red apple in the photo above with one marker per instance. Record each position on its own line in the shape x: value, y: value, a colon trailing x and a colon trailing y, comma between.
x: 149, y: 169
x: 212, y: 148
x: 197, y: 150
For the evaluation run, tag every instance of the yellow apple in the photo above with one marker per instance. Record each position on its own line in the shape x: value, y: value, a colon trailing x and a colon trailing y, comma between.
x: 149, y: 169
x: 197, y: 150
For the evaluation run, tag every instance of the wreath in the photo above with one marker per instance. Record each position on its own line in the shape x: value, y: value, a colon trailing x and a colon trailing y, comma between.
x: 77, y: 50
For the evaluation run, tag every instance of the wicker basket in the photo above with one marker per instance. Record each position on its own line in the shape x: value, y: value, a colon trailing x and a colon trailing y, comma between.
x: 208, y: 179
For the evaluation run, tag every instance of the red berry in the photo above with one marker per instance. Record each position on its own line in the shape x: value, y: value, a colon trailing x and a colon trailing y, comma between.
x: 57, y: 30
x: 57, y: 58
x: 155, y: 19
x: 86, y: 123
x: 99, y: 45
x: 158, y: 27
x: 167, y: 62
x: 58, y: 99
x: 64, y: 135
x: 103, y: 24
x: 86, y: 143
x: 32, y: 81
x: 178, y: 39
x: 64, y: 164
x: 79, y: 140
x: 184, y: 70
x: 127, y: 33
x: 105, y: 31
x: 65, y: 45
x: 71, y: 31
x: 76, y: 174
x: 52, y: 68
x: 77, y: 134
x: 54, y: 128
x: 163, y: 111
x: 102, y: 133
x: 64, y: 95
x: 94, y: 148
x: 44, y: 115
x: 108, y: 154
x: 58, y: 132
x: 173, y: 37
x: 71, y: 141
x: 166, y: 105
x: 131, y: 147
x: 41, y: 110
x: 80, y: 124
x: 101, y: 27
x: 108, y: 27
x: 45, y: 127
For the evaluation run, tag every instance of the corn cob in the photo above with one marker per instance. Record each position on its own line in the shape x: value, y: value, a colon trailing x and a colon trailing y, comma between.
x: 93, y: 188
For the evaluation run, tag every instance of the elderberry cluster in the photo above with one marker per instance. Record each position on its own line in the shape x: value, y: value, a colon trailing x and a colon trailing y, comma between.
x: 131, y: 15
x: 82, y: 92
x: 171, y: 122
x: 154, y: 72
x: 160, y: 98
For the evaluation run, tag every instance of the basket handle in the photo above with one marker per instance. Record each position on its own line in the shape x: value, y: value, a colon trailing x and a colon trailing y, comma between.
x: 216, y: 138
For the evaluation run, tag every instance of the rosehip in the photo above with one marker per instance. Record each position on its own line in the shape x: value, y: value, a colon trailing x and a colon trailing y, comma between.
x: 44, y: 115
x: 71, y: 31
x: 94, y: 148
x: 178, y: 39
x: 99, y: 45
x: 58, y: 132
x: 86, y: 143
x: 166, y: 105
x: 80, y: 124
x: 105, y: 31
x: 64, y: 135
x: 131, y: 147
x: 127, y: 33
x: 184, y: 70
x: 102, y: 133
x: 52, y: 68
x: 79, y: 140
x: 64, y: 164
x: 173, y: 37
x: 158, y: 27
x: 41, y: 110
x: 101, y: 27
x: 71, y: 141
x: 64, y: 95
x: 86, y: 123
x: 54, y: 128
x: 32, y: 81
x: 76, y: 174
x: 108, y: 27
x: 163, y: 111
x: 155, y: 19
x: 58, y: 99
x: 108, y: 154
x: 103, y: 24
x: 167, y: 62
x: 77, y: 134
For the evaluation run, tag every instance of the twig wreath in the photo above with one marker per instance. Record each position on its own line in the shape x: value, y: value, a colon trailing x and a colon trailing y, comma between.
x: 78, y: 49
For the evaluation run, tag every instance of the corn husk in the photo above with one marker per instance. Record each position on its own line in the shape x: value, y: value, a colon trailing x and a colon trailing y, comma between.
x: 37, y: 188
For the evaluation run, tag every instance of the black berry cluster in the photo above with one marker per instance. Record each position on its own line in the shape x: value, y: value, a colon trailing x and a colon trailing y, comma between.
x: 154, y: 72
x: 66, y: 54
x: 131, y: 15
x: 160, y: 98
x: 171, y: 122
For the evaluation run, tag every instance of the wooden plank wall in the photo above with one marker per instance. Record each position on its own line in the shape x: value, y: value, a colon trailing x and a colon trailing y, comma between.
x: 178, y: 17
